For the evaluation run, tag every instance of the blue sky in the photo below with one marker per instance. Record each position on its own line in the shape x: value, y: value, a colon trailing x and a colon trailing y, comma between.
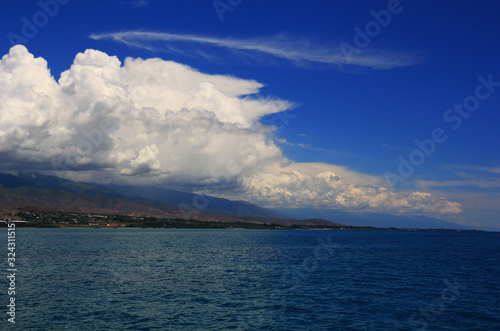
x: 361, y: 112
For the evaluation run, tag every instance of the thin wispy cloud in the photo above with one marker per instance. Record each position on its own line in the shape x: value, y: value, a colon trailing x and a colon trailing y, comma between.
x: 299, y: 52
x: 495, y: 170
x: 397, y: 148
x: 136, y: 3
x: 473, y: 183
x: 465, y: 176
x: 339, y: 153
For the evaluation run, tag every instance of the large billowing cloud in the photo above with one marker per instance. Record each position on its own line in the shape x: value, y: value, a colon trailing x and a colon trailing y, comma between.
x: 147, y: 117
x: 160, y: 122
x: 326, y: 186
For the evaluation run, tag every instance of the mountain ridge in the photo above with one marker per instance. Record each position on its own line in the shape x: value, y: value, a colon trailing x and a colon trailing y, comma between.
x: 36, y: 190
x: 372, y: 219
x: 54, y: 194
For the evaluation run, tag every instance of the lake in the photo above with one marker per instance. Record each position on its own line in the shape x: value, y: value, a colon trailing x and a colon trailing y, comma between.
x: 235, y: 279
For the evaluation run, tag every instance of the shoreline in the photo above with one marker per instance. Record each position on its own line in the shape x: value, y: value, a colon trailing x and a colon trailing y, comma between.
x: 250, y: 227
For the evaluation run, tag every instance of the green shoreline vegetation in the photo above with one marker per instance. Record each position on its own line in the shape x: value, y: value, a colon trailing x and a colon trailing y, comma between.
x: 47, y: 219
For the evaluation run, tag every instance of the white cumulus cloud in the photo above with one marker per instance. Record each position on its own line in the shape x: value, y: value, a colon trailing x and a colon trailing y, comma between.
x: 160, y: 122
x: 327, y: 186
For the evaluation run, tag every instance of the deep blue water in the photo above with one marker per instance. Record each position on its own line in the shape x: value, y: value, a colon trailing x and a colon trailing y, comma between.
x: 176, y: 279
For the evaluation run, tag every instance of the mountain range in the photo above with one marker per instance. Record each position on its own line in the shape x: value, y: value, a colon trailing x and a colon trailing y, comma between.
x: 52, y: 193
x: 57, y: 194
x: 372, y: 219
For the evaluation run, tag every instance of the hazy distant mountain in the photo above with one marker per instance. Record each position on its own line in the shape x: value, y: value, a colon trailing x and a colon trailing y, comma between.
x: 177, y: 197
x: 55, y: 183
x: 146, y: 193
x: 371, y: 219
x: 55, y: 194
